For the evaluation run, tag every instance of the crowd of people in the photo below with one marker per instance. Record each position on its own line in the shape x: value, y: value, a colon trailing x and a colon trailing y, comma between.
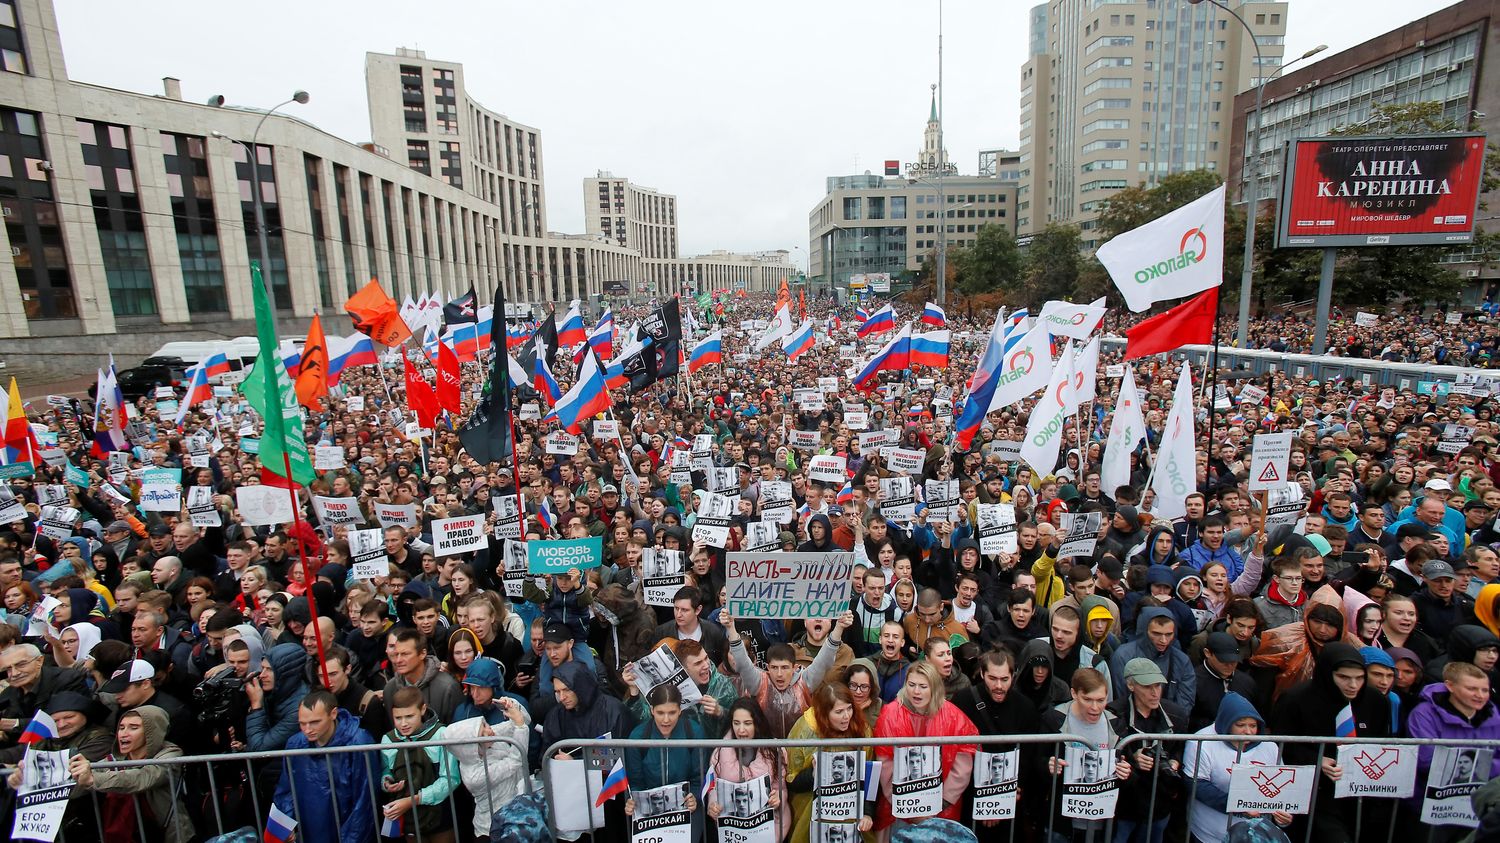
x: 1369, y: 611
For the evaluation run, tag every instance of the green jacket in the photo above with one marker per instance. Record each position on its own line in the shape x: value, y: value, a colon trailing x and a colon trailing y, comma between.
x: 719, y: 687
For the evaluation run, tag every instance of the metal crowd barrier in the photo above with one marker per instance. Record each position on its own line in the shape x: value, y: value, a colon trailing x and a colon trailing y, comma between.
x: 228, y: 762
x: 606, y: 748
x: 1126, y: 745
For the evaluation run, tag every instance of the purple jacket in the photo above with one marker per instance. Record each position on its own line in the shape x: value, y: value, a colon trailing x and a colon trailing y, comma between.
x: 1430, y: 719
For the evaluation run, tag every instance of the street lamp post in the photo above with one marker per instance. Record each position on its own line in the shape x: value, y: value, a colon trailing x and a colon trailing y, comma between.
x: 1250, y: 193
x: 936, y: 182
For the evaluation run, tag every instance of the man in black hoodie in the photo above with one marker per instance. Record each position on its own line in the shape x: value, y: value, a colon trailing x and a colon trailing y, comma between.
x: 995, y: 710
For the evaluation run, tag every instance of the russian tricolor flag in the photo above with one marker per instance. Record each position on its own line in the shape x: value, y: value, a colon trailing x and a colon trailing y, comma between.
x: 198, y: 392
x: 895, y: 356
x: 930, y: 349
x: 615, y: 783
x: 544, y: 517
x: 798, y: 342
x: 846, y: 494
x: 861, y: 314
x: 392, y: 828
x: 588, y: 398
x: 216, y: 364
x: 108, y: 435
x: 934, y: 316
x: 709, y: 350
x: 516, y: 335
x: 881, y: 321
x: 279, y: 826
x: 41, y: 727
x: 544, y: 382
x: 835, y: 324
x: 570, y: 331
x: 353, y: 350
x: 1006, y: 332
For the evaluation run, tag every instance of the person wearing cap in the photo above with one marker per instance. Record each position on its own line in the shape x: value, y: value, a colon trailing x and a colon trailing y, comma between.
x: 1433, y: 511
x: 1440, y: 605
x: 133, y: 685
x: 1218, y: 675
x: 1404, y: 574
x: 1143, y: 710
x: 122, y: 538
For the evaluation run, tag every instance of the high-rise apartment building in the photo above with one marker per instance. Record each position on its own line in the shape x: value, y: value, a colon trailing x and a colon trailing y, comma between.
x: 1116, y: 93
x: 633, y: 216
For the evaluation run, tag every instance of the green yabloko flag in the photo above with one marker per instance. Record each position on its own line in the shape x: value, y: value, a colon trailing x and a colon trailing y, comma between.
x: 268, y: 377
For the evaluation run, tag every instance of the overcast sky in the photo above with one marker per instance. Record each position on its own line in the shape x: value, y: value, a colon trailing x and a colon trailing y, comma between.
x: 740, y: 109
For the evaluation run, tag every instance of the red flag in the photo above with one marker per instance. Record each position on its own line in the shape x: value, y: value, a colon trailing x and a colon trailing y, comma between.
x: 1189, y: 323
x: 312, y: 372
x: 419, y: 397
x: 447, y: 379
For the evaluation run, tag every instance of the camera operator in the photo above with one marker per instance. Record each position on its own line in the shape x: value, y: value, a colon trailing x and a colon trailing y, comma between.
x: 1158, y: 767
x: 220, y: 699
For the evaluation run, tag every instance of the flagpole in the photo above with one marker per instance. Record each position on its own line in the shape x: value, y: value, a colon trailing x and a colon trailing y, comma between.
x: 1213, y: 391
x: 307, y: 574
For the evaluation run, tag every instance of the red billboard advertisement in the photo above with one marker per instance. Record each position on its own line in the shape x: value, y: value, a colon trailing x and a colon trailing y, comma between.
x: 1386, y: 191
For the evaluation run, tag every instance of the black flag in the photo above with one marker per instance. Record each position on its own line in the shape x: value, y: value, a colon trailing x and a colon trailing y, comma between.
x: 463, y: 310
x: 487, y: 433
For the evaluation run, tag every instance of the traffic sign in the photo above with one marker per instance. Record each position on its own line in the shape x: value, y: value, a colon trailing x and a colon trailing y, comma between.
x: 1270, y: 457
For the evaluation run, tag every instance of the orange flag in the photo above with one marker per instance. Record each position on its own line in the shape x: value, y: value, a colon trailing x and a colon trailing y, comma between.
x: 376, y: 315
x: 312, y: 372
x: 784, y: 295
x: 802, y: 302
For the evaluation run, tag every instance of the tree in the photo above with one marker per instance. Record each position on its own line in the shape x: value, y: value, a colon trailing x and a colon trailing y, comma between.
x: 993, y: 260
x: 1053, y: 261
x: 1133, y: 207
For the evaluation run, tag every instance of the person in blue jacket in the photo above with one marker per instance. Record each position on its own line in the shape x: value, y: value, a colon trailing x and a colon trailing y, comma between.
x: 274, y: 696
x: 343, y: 814
x: 648, y: 769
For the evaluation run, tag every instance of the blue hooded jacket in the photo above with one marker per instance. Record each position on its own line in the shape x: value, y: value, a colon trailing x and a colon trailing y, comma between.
x: 355, y: 773
x: 1182, y: 682
x: 268, y: 728
x: 1375, y: 655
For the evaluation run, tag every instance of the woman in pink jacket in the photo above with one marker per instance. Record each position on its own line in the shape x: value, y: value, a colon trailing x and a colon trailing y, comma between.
x: 743, y: 764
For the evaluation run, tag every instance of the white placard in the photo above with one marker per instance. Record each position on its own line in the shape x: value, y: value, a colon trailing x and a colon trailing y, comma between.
x: 452, y: 536
x: 201, y: 509
x: 355, y: 403
x: 1090, y: 789
x: 663, y: 572
x: 828, y: 468
x: 761, y: 537
x: 828, y: 386
x: 776, y: 501
x: 42, y: 798
x: 607, y: 429
x: 1008, y: 450
x: 1114, y: 370
x: 1252, y: 394
x: 1456, y: 772
x: 562, y: 443
x: 859, y: 420
x: 1284, y: 506
x: 661, y: 667
x: 57, y: 522
x: 837, y: 792
x: 507, y: 516
x: 367, y: 553
x: 51, y: 495
x: 942, y: 500
x: 1453, y: 318
x: 898, y: 499
x: 264, y: 505
x: 712, y: 524
x: 995, y: 777
x: 872, y: 439
x: 804, y: 440
x: 1366, y: 320
x: 337, y: 510
x: 778, y: 586
x: 1371, y: 770
x: 160, y: 497
x: 396, y: 514
x: 11, y: 507
x: 916, y: 781
x: 747, y: 816
x: 513, y: 571
x: 1255, y: 787
x: 906, y: 460
x: 328, y: 458
x: 1270, y: 458
x: 997, y: 528
x: 1080, y: 534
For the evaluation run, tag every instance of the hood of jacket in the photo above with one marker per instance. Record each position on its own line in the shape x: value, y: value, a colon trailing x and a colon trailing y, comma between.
x: 1235, y: 707
x: 962, y: 545
x: 252, y: 638
x: 81, y: 602
x: 1035, y: 649
x: 1467, y: 638
x: 154, y: 723
x: 1086, y: 608
x: 1150, y: 552
x: 1183, y: 575
x: 827, y: 542
x: 287, y: 660
x: 1151, y: 613
x: 1160, y: 575
x: 1335, y: 655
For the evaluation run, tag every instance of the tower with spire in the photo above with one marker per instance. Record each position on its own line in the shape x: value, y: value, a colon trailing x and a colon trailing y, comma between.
x: 933, y: 156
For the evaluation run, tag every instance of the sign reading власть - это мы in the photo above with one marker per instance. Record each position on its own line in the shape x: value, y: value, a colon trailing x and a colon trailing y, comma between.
x: 557, y: 557
x: 776, y: 586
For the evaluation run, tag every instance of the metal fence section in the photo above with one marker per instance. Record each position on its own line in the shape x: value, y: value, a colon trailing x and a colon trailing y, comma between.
x: 605, y: 749
x: 186, y: 771
x: 1323, y: 367
x: 1131, y: 742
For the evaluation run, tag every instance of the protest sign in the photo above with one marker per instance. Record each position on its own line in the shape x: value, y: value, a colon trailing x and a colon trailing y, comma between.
x: 712, y: 524
x: 160, y: 497
x: 514, y: 571
x: 723, y: 481
x: 1252, y: 394
x: 1257, y: 787
x: 942, y: 500
x: 682, y: 467
x: 776, y: 586
x: 328, y: 458
x: 662, y: 573
x: 1371, y: 770
x: 761, y: 537
x: 11, y: 507
x: 916, y: 781
x: 57, y: 522
x: 829, y: 386
x: 857, y: 420
x: 337, y: 510
x: 197, y: 448
x: 606, y: 429
x: 1080, y: 534
x: 507, y: 516
x: 997, y: 528
x: 661, y: 667
x: 396, y: 514
x: 262, y: 506
x: 837, y: 793
x: 1366, y: 320
x: 1456, y: 772
x: 562, y: 555
x: 77, y: 476
x: 367, y: 553
x: 828, y: 468
x: 1006, y: 449
x: 355, y: 403
x: 1089, y: 790
x: 870, y: 440
x: 562, y: 443
x: 804, y: 440
x: 906, y: 460
x: 661, y: 815
x: 776, y: 501
x: 51, y: 495
x: 995, y: 777
x: 746, y: 815
x: 42, y: 798
x: 898, y: 499
x: 1270, y: 457
x: 201, y: 509
x: 452, y: 536
x: 1284, y: 506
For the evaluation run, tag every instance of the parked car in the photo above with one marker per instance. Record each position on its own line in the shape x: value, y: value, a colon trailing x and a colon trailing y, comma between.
x: 145, y: 378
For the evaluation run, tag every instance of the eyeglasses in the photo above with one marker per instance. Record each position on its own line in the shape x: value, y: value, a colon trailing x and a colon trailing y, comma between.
x: 862, y: 686
x: 1290, y: 579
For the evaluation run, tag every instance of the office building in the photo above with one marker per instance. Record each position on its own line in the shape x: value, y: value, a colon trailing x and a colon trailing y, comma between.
x: 1442, y: 58
x: 1115, y: 94
x: 1002, y: 164
x: 870, y: 224
x: 129, y: 217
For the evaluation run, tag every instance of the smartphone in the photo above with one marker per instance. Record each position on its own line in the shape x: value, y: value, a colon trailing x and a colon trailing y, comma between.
x: 1355, y: 558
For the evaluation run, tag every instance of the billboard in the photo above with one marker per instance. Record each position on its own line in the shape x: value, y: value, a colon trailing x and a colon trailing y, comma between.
x: 1381, y: 191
